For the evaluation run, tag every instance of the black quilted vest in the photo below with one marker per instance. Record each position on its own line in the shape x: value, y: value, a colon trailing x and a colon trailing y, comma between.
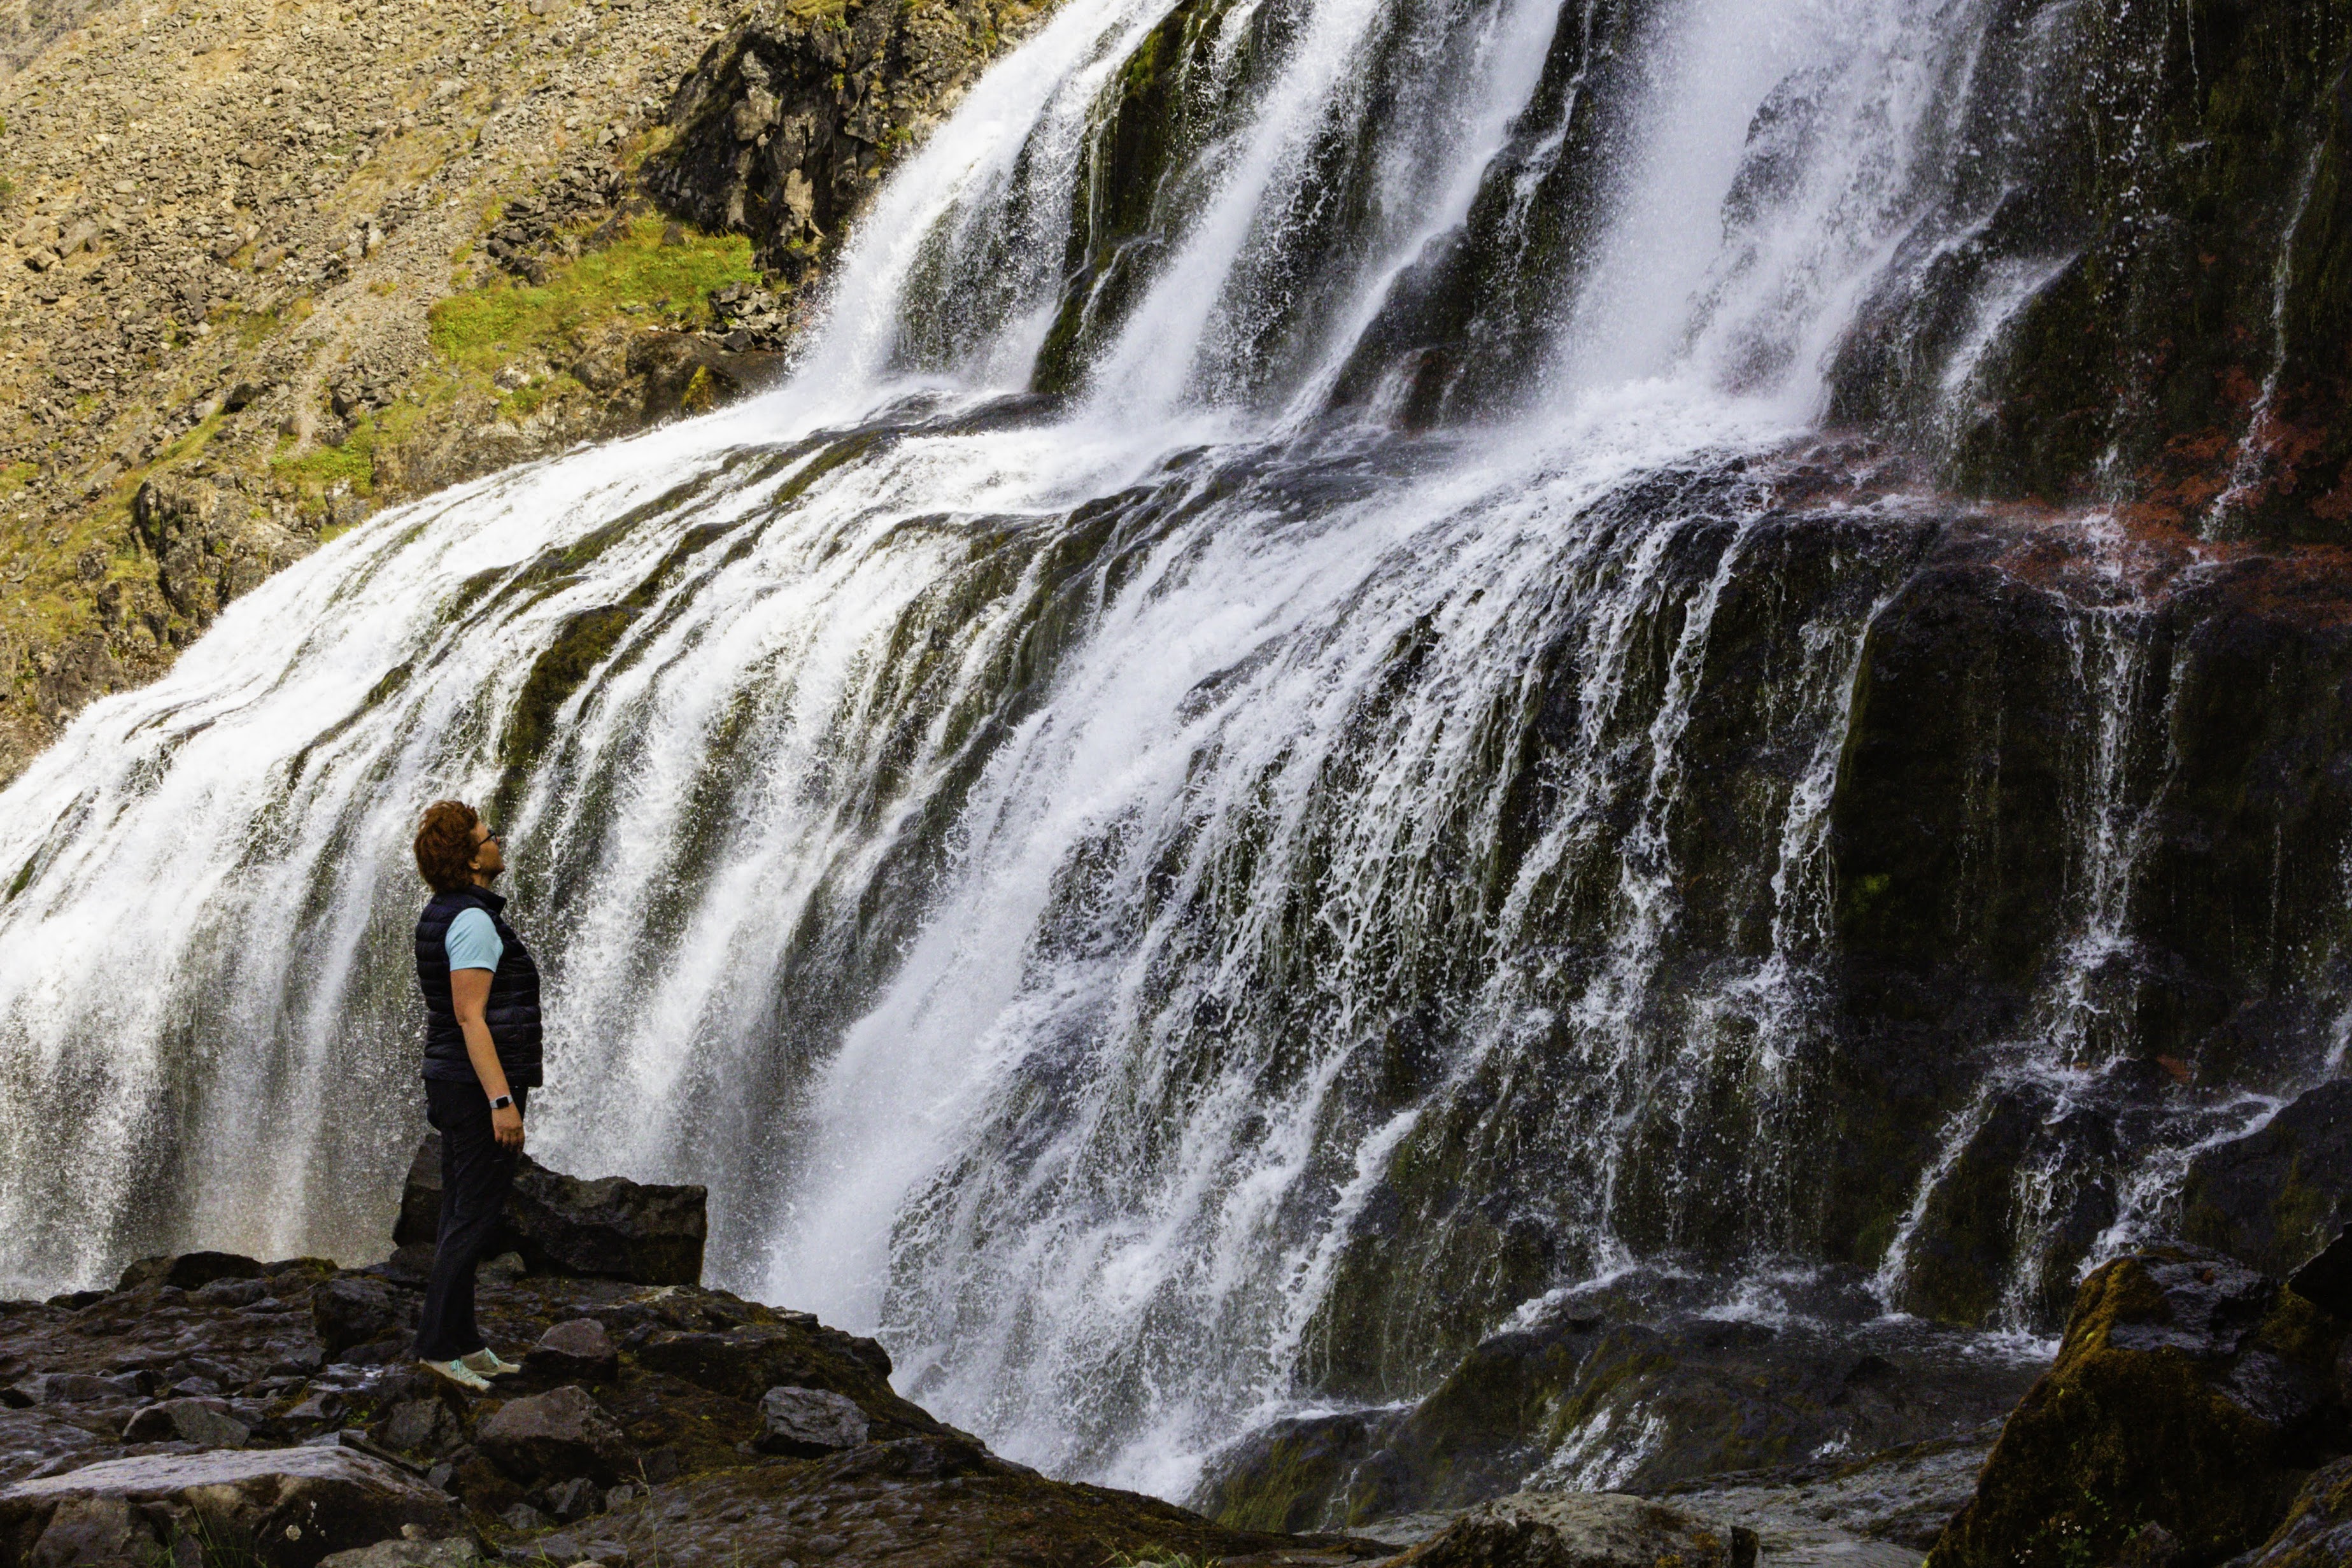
x: 512, y: 1011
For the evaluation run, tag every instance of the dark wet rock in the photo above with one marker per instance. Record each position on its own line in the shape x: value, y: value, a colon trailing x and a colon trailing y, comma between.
x: 562, y: 1432
x: 1836, y: 1508
x: 931, y: 1501
x: 2327, y: 1280
x: 1583, y: 1530
x: 418, y: 1424
x: 189, y: 1271
x: 1634, y: 1385
x: 574, y: 1500
x: 2190, y: 1393
x: 2151, y: 1546
x: 808, y: 1422
x: 797, y: 1351
x: 2175, y: 266
x: 204, y: 1421
x: 662, y: 1464
x: 61, y: 1388
x: 2317, y: 1530
x: 580, y: 1348
x: 353, y: 1311
x: 31, y: 1439
x: 456, y: 1552
x: 293, y: 1505
x: 2277, y: 1196
x: 608, y: 1227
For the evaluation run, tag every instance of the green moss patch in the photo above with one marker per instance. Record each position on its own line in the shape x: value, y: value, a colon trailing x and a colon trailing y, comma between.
x: 484, y: 329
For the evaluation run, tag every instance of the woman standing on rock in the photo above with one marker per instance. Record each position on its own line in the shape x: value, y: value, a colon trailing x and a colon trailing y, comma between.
x: 481, y: 1061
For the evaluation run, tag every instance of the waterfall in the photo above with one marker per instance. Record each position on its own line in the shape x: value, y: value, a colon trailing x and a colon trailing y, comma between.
x: 1236, y: 779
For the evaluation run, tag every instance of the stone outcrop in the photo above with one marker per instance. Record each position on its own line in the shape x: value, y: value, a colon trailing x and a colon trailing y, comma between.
x: 643, y: 1434
x: 2192, y: 1395
x: 2180, y: 338
x: 2273, y: 1197
x: 275, y: 292
x: 1636, y: 1384
x: 784, y: 126
x: 580, y: 1347
x: 609, y: 1226
x: 810, y: 1422
x: 346, y: 1313
x: 554, y: 1437
x: 286, y: 1507
x: 1588, y: 1529
x: 2317, y: 1530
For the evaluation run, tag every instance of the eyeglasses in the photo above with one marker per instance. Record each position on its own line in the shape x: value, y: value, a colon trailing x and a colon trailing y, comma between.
x: 491, y: 835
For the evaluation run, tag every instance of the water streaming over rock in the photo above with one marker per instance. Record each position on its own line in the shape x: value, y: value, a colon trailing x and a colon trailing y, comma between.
x: 1286, y: 740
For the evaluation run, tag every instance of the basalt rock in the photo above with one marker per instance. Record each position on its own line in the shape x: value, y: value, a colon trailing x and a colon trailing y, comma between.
x: 204, y: 1421
x: 349, y: 1311
x: 2275, y: 1197
x: 579, y: 1348
x: 2191, y: 1393
x: 610, y: 1228
x: 662, y: 1463
x: 782, y: 128
x: 189, y: 1271
x: 286, y: 1507
x: 2168, y: 296
x: 1637, y: 1386
x: 557, y: 1434
x: 809, y: 1422
x: 1583, y: 1530
x: 2317, y: 1530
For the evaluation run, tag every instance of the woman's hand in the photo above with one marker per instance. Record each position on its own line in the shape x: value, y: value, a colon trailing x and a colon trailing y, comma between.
x: 506, y: 1125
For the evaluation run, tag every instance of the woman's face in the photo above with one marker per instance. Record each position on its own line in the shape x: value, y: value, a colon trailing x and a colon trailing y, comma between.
x: 488, y: 861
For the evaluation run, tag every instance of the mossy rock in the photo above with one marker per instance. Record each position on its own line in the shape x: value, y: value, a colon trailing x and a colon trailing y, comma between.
x: 2189, y: 1393
x: 2273, y: 1197
x: 2317, y: 1530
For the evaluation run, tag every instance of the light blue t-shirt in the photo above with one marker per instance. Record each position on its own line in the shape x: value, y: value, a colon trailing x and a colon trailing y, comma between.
x: 473, y: 942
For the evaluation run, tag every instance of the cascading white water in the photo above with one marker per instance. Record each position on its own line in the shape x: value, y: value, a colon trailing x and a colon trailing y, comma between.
x: 1058, y: 876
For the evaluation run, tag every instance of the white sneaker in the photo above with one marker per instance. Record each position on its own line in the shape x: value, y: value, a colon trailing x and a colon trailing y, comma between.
x: 459, y: 1373
x: 487, y: 1362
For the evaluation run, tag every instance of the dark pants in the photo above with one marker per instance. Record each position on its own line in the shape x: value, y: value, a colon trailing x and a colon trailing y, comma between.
x: 476, y: 1174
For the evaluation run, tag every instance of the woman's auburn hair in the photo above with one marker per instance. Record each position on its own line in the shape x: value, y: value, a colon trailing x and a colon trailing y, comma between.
x: 445, y: 845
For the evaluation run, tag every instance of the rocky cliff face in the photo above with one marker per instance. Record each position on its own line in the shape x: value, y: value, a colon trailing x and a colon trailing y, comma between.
x: 265, y: 268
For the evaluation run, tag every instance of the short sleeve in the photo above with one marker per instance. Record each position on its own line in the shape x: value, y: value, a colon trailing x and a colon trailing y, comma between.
x: 473, y: 942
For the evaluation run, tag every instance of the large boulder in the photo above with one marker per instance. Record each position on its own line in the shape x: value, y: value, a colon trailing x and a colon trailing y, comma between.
x: 2278, y: 1194
x: 744, y: 1363
x: 2188, y: 1395
x: 353, y: 1311
x: 189, y: 1271
x: 2317, y: 1530
x: 1634, y: 1385
x: 809, y: 1421
x: 1583, y: 1530
x: 610, y: 1228
x: 552, y: 1436
x: 284, y: 1508
x: 203, y: 1421
x: 579, y: 1347
x: 2327, y: 1280
x: 456, y: 1552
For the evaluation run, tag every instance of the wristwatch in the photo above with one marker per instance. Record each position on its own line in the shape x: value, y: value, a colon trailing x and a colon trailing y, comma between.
x: 502, y: 1101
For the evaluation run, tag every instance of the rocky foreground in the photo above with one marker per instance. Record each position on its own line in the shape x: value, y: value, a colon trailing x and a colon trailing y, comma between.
x: 213, y: 1408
